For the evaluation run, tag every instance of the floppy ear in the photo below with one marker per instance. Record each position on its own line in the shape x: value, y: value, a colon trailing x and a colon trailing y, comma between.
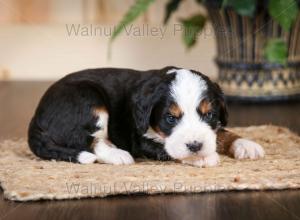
x: 223, y: 108
x: 223, y: 113
x: 144, y: 98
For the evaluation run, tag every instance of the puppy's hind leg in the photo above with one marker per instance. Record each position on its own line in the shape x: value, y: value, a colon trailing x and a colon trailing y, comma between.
x: 86, y: 157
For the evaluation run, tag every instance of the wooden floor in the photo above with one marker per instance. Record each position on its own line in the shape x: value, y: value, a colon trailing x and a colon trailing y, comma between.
x: 17, y: 103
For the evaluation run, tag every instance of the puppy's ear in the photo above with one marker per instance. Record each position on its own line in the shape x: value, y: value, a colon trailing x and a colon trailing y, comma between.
x: 144, y: 98
x: 223, y: 108
x: 223, y: 113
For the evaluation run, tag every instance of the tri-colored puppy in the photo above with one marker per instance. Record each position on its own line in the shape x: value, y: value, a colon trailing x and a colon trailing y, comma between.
x: 115, y: 115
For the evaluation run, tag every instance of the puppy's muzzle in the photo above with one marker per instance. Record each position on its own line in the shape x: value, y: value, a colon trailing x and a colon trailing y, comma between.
x: 194, y: 146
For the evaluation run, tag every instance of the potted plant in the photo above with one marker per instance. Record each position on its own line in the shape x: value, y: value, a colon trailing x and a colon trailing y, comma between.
x: 258, y: 44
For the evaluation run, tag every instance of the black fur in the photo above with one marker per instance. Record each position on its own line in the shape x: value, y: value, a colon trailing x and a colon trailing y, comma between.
x: 63, y: 122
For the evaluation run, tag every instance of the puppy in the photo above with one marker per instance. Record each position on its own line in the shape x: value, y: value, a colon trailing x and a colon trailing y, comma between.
x: 113, y: 115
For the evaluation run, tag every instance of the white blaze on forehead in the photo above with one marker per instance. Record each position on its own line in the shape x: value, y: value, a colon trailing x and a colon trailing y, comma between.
x: 187, y: 89
x: 172, y: 71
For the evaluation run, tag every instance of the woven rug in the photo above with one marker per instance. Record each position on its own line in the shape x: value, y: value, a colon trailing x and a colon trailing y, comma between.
x: 25, y: 177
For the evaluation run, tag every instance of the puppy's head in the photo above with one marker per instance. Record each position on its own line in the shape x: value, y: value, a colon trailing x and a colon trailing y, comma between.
x: 182, y: 112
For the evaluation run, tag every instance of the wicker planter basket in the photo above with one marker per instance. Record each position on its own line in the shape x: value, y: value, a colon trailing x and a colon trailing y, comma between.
x: 244, y: 74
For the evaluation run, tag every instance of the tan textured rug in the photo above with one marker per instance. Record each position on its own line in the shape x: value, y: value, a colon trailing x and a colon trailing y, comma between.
x: 24, y: 177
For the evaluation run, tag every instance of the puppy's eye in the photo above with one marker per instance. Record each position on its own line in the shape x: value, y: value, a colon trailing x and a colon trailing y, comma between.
x: 209, y: 115
x: 171, y: 119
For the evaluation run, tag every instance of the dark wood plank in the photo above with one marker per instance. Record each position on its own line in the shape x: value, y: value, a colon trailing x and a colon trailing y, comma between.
x: 18, y: 101
x: 224, y: 205
x: 285, y: 114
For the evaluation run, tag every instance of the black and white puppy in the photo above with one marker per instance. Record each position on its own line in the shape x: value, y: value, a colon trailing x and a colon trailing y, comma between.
x: 114, y: 115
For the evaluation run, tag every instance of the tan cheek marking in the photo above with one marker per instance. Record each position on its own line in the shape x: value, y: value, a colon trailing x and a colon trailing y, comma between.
x: 205, y: 106
x: 175, y: 110
x: 159, y: 132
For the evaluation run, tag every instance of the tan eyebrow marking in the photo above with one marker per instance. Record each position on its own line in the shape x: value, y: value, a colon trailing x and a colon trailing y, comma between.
x: 175, y: 110
x: 205, y: 106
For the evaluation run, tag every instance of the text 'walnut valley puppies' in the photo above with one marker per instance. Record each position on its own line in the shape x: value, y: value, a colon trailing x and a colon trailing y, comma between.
x: 114, y: 115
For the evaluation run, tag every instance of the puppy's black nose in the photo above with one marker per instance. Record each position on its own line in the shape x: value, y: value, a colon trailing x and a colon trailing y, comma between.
x: 194, y: 146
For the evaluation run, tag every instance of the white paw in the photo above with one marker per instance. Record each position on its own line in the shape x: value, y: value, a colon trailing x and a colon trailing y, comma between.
x: 243, y: 148
x: 85, y: 157
x: 116, y: 156
x: 209, y: 161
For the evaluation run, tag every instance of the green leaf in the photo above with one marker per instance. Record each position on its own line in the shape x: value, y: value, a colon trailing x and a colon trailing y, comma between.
x: 192, y: 27
x: 171, y: 7
x: 276, y: 51
x: 242, y: 7
x: 284, y: 12
x: 137, y: 9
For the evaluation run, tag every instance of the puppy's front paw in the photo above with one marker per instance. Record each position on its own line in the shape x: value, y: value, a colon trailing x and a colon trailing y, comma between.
x: 244, y: 148
x: 116, y: 156
x: 209, y: 161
